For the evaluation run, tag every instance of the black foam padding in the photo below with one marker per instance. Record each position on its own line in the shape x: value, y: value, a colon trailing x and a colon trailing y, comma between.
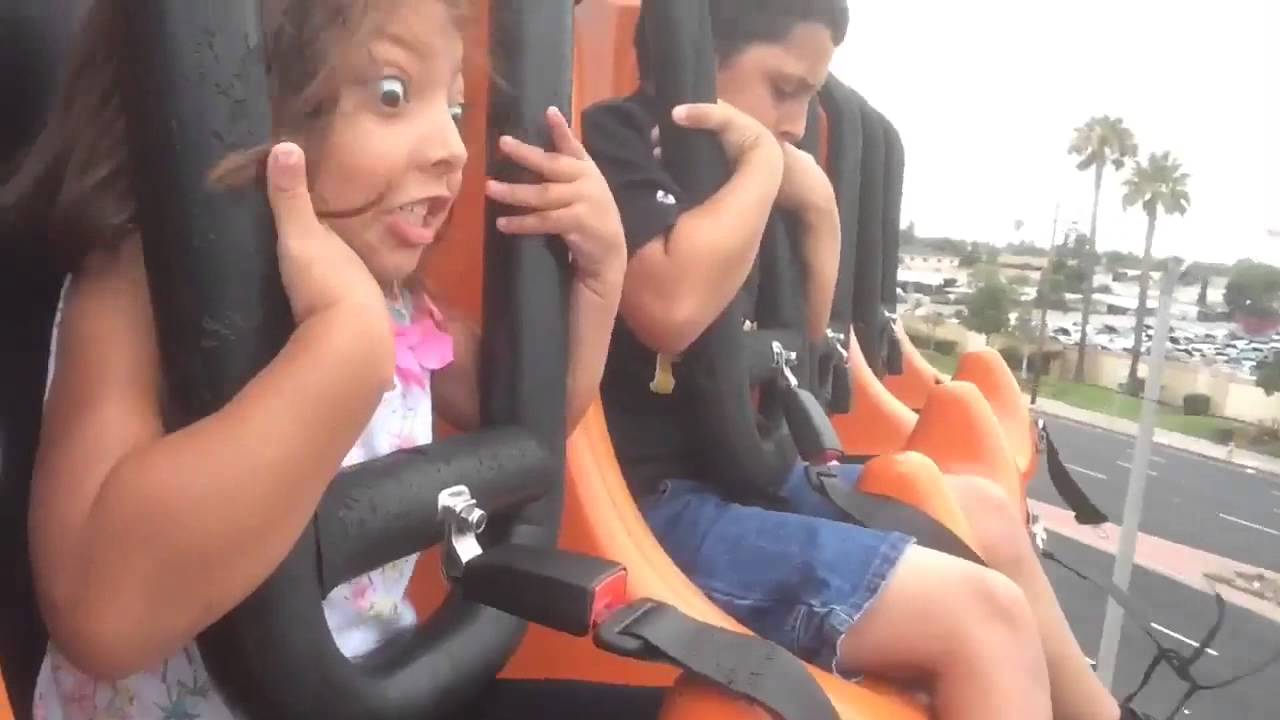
x: 869, y: 263
x: 34, y: 35
x: 815, y: 438
x: 374, y: 513
x: 895, y: 169
x: 844, y: 108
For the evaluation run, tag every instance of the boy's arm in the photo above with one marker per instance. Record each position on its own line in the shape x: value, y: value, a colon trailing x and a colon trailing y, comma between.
x: 807, y: 191
x: 820, y: 243
x: 676, y: 288
x: 687, y: 264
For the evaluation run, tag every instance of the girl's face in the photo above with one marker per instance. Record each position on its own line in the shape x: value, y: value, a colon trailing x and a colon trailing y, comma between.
x: 774, y: 82
x: 393, y: 150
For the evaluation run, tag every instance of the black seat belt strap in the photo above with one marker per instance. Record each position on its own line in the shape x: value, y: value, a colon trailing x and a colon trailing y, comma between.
x: 883, y: 513
x: 1087, y: 513
x: 745, y: 665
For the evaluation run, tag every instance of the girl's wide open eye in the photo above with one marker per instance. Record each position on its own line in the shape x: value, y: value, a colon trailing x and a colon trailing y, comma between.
x: 393, y: 92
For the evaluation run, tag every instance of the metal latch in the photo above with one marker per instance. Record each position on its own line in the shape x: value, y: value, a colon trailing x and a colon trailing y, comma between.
x: 783, y: 360
x: 465, y: 521
x: 839, y: 342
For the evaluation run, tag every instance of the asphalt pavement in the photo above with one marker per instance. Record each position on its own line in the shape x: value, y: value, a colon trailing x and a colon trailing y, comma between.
x: 1183, y: 615
x: 1194, y: 501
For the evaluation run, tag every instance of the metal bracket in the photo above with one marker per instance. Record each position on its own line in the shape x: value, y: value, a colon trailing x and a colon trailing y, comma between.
x: 783, y: 361
x: 465, y: 521
x: 839, y: 342
x: 1039, y: 534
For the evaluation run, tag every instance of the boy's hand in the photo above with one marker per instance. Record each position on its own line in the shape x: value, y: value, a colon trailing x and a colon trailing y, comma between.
x: 740, y: 134
x: 806, y: 189
x: 574, y: 203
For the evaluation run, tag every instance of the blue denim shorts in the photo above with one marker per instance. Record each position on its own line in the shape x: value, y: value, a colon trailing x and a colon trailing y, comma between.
x: 801, y: 577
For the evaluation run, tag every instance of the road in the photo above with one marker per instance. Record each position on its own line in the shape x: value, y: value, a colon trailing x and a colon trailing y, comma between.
x: 1193, y: 501
x: 1246, y: 639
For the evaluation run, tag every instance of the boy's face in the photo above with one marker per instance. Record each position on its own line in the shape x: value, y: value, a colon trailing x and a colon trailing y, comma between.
x: 774, y: 82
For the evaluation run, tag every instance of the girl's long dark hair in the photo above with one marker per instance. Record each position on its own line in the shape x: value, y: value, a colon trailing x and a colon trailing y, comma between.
x: 73, y: 185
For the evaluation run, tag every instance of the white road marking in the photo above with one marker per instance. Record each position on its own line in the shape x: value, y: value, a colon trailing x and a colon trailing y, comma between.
x: 1249, y: 524
x: 1186, y: 640
x: 1157, y: 459
x: 1090, y: 473
x: 1126, y: 465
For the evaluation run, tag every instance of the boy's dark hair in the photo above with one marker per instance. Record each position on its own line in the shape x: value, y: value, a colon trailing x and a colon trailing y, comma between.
x: 737, y: 24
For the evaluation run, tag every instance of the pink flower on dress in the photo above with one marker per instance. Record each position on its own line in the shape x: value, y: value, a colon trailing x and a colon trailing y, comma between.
x: 421, y: 348
x: 362, y: 593
x: 79, y: 693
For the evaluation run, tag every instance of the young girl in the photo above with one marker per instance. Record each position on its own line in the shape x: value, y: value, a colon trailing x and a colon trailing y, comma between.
x: 141, y: 538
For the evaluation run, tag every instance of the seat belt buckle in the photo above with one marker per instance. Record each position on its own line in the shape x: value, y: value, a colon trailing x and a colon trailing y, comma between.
x: 818, y: 476
x: 553, y: 588
x: 561, y: 590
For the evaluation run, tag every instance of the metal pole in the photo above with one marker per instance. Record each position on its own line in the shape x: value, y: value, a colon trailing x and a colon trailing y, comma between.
x: 1046, y: 276
x: 1109, y: 648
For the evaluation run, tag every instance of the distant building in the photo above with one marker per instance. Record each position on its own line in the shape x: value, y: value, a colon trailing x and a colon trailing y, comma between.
x: 924, y: 282
x: 927, y: 263
x: 1027, y: 263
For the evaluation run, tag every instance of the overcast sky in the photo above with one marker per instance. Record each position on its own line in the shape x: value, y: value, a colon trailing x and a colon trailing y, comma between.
x: 987, y: 92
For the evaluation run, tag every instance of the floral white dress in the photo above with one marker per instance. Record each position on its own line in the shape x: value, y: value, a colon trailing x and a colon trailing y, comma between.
x: 361, y: 613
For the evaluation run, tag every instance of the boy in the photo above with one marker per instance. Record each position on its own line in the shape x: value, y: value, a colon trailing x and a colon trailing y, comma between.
x: 853, y: 600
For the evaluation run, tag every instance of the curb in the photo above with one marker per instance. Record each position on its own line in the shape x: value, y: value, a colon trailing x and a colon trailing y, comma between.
x: 1260, y: 585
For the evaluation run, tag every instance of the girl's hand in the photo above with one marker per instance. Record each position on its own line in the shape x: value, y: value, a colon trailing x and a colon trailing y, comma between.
x: 574, y: 202
x: 319, y: 270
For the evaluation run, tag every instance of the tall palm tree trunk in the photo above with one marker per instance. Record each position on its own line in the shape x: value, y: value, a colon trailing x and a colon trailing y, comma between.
x: 1086, y: 264
x: 1140, y: 316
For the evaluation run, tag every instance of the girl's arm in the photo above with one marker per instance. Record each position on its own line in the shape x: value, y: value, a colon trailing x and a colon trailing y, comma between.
x: 592, y: 313
x: 141, y: 540
x: 455, y: 389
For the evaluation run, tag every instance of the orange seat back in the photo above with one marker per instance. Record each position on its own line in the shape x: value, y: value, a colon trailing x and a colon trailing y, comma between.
x: 878, y: 422
x: 917, y: 378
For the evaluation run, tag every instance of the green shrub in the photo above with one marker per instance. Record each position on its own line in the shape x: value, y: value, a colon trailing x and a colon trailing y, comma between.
x: 1195, y: 404
x: 945, y: 347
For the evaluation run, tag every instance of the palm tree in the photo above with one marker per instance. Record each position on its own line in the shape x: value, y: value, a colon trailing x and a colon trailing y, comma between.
x: 1158, y: 185
x: 1101, y: 141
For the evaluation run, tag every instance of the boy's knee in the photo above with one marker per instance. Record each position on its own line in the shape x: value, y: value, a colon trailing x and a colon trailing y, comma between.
x: 999, y: 529
x: 994, y: 613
